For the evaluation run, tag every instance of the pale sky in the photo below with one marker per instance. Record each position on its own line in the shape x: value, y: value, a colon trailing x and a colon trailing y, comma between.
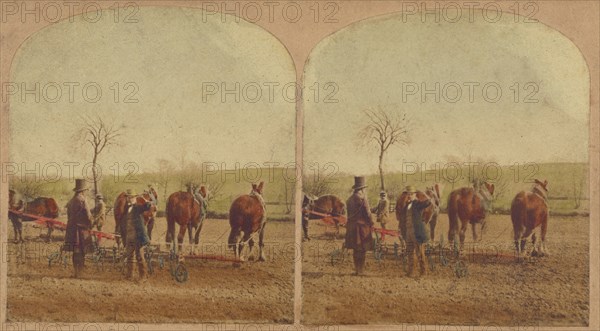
x: 168, y: 55
x: 370, y: 60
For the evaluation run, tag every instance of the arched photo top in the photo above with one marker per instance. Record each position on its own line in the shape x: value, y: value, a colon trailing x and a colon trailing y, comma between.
x: 505, y: 91
x: 175, y: 74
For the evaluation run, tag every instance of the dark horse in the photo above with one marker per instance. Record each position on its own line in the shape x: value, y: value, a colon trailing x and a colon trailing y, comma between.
x: 119, y: 212
x: 470, y: 205
x: 430, y: 214
x: 185, y: 210
x: 42, y: 206
x: 248, y: 215
x: 331, y: 205
x: 528, y: 211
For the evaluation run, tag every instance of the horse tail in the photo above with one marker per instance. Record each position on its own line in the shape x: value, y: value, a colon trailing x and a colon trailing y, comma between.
x: 518, y: 214
x: 452, y: 215
x: 170, y: 224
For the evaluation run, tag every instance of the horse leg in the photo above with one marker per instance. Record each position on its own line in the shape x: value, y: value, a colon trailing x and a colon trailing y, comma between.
x: 250, y: 248
x: 245, y: 238
x: 543, y: 229
x: 534, y: 250
x: 432, y: 225
x: 150, y: 227
x: 261, y: 243
x: 462, y: 234
x: 524, y: 240
x: 474, y: 230
x: 197, y: 236
x: 518, y: 232
x: 49, y: 234
x: 180, y: 236
x: 234, y: 238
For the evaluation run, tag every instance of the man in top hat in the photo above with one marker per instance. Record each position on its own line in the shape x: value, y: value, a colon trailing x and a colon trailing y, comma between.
x: 358, y: 227
x: 306, y: 202
x: 79, y: 221
x: 413, y: 230
x: 15, y: 205
x: 383, y: 209
x: 136, y: 234
x: 99, y: 212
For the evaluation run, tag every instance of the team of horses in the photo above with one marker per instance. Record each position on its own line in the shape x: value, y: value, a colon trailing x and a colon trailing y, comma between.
x: 470, y: 205
x: 247, y: 215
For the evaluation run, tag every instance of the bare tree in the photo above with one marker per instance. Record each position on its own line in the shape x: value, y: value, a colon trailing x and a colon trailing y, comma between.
x: 165, y: 170
x: 316, y: 185
x: 214, y: 188
x: 99, y: 135
x: 28, y: 188
x: 384, y: 130
x: 578, y: 191
x: 289, y: 188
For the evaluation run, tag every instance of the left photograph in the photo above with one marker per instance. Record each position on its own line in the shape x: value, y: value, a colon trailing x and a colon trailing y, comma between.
x: 151, y: 171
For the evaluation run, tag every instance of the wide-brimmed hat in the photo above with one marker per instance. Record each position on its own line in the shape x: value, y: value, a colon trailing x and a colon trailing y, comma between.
x: 99, y: 196
x: 359, y: 182
x: 129, y: 192
x: 11, y: 191
x: 80, y: 185
x: 410, y: 189
x: 382, y: 193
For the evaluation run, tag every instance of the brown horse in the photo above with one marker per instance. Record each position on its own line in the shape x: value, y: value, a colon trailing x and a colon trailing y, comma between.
x: 328, y: 204
x: 430, y: 214
x: 42, y: 206
x: 528, y: 211
x: 119, y: 211
x: 248, y: 215
x: 184, y: 209
x: 470, y: 205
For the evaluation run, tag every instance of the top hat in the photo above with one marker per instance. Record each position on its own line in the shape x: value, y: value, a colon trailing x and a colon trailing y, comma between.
x: 80, y: 185
x: 410, y: 189
x: 359, y: 182
x: 11, y: 191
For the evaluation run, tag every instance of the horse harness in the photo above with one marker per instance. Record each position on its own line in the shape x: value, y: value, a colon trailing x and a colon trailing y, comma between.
x: 264, y: 207
x: 540, y: 192
x: 485, y: 196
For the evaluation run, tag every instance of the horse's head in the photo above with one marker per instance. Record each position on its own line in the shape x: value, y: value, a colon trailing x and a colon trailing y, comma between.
x: 540, y: 184
x: 540, y: 188
x: 308, y: 201
x: 152, y: 191
x: 258, y: 188
x: 489, y: 187
x: 435, y: 194
x: 203, y: 191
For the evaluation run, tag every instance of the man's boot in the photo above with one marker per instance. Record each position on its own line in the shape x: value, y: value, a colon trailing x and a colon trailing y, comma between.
x: 129, y: 270
x: 356, y: 258
x: 362, y: 260
x: 410, y: 260
x: 142, y: 271
x: 422, y: 260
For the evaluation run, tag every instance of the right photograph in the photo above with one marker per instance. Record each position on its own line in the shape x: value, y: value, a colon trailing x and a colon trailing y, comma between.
x: 445, y: 174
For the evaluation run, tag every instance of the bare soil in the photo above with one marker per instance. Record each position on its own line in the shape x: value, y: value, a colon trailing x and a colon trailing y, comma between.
x: 216, y: 291
x: 497, y: 290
